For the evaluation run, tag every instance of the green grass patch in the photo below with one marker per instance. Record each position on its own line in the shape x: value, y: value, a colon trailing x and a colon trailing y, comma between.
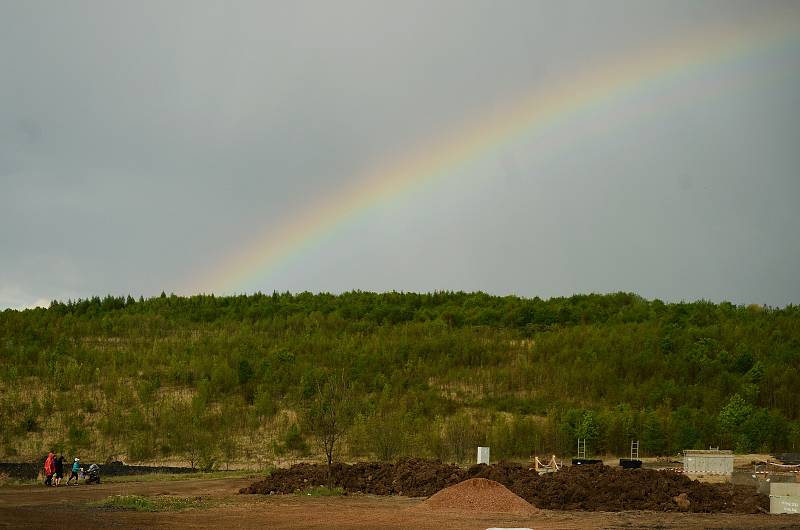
x: 323, y: 491
x: 137, y: 503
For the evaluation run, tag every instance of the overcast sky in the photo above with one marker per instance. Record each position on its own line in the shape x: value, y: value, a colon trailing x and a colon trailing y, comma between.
x: 142, y: 142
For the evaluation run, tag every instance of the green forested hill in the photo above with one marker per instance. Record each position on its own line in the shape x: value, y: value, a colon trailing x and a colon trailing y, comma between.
x: 218, y: 379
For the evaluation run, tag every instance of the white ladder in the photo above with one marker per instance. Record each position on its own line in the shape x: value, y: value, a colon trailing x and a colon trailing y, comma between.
x: 582, y: 448
x: 635, y: 450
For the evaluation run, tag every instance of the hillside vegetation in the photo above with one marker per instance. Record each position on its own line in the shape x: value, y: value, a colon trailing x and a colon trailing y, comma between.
x: 218, y: 379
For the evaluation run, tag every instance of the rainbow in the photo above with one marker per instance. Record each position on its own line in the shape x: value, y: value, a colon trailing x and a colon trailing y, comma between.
x: 276, y: 244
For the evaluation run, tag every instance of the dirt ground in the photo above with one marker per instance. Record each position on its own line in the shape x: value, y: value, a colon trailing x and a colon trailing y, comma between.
x: 40, y: 507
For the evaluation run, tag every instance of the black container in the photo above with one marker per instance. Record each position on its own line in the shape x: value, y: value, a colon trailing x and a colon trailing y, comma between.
x: 789, y: 458
x: 627, y: 463
x: 585, y: 462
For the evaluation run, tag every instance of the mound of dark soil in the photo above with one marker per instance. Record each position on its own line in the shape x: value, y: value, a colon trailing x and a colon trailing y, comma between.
x: 602, y: 488
x: 595, y: 488
x: 409, y: 477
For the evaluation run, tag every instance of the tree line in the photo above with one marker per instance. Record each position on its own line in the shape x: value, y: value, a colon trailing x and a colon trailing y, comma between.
x: 214, y: 379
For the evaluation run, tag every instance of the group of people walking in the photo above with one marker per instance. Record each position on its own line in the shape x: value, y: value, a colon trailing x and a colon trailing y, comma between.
x: 54, y: 470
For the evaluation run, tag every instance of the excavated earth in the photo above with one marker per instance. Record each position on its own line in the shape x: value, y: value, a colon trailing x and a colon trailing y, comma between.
x: 478, y: 495
x: 592, y: 488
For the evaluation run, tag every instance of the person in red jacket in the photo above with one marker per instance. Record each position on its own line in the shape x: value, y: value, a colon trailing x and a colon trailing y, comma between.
x: 49, y: 469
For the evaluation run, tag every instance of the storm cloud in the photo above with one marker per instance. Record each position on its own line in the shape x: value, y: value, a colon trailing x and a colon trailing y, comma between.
x: 141, y: 142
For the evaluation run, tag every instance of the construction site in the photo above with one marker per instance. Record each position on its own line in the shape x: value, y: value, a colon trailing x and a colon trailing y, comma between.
x: 593, y: 487
x: 702, y: 481
x: 700, y: 489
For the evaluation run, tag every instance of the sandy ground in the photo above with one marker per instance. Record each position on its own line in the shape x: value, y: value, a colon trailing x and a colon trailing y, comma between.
x: 40, y: 507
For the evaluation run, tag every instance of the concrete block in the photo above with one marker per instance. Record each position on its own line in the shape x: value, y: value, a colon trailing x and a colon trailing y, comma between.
x: 784, y: 489
x: 779, y: 504
x: 708, y: 462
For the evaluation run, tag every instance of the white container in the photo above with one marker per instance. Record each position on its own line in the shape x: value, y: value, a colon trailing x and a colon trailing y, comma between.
x: 785, y: 489
x: 784, y: 504
x: 483, y: 455
x: 708, y: 462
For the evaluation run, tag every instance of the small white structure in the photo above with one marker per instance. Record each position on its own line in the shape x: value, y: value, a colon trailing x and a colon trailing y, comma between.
x: 708, y: 462
x: 784, y: 497
x: 483, y: 455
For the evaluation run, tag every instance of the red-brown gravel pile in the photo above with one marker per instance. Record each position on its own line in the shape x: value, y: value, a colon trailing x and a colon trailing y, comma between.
x: 479, y: 495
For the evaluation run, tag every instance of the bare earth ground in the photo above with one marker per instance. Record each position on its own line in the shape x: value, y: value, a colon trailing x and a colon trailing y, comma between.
x: 40, y: 507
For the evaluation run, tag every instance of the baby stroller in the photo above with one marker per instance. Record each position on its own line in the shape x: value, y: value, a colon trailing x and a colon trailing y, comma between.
x: 92, y: 474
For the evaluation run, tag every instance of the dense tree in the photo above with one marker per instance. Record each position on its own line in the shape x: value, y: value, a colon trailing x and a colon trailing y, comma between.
x: 207, y: 377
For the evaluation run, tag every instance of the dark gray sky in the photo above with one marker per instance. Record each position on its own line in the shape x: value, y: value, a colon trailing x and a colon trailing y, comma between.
x: 142, y: 142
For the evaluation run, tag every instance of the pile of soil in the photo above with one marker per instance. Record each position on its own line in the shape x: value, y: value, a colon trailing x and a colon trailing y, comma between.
x: 409, y: 477
x: 594, y: 488
x: 479, y: 495
x: 603, y: 488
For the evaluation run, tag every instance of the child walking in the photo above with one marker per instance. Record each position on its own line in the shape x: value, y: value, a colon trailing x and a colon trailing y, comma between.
x: 76, y: 466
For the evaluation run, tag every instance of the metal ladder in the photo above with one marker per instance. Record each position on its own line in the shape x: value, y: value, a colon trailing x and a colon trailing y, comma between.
x: 581, y: 448
x: 635, y: 450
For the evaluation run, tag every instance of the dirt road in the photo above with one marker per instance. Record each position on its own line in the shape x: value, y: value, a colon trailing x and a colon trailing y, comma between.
x: 40, y: 507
